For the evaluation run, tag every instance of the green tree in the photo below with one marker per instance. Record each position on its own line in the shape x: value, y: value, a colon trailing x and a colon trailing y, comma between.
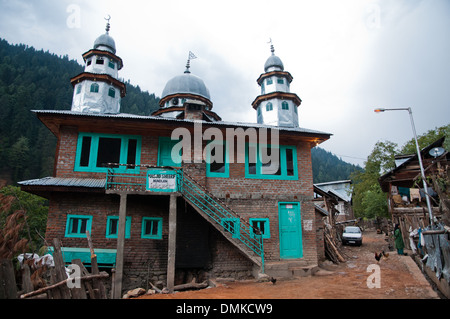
x: 368, y: 199
x: 18, y: 157
x: 12, y: 200
x: 365, y: 183
x: 374, y: 202
x: 426, y: 139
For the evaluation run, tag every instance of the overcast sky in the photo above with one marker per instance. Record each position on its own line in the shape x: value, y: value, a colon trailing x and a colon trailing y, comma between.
x: 347, y: 57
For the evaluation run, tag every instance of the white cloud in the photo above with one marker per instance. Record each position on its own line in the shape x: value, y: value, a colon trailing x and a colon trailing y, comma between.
x: 346, y: 56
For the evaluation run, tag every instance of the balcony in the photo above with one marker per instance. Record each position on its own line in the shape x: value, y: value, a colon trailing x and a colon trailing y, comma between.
x: 153, y: 180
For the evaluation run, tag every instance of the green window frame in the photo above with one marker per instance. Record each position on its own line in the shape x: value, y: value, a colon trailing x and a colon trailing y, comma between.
x: 152, y: 227
x: 232, y: 225
x: 94, y: 88
x: 269, y: 81
x: 111, y: 64
x: 285, y: 105
x: 214, y: 169
x: 94, y: 148
x: 280, y: 81
x: 77, y: 225
x: 262, y: 224
x: 269, y: 107
x: 112, y: 92
x: 254, y: 168
x: 78, y: 88
x: 112, y: 227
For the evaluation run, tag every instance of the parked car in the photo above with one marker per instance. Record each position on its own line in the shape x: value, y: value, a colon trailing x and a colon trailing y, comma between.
x: 352, y: 235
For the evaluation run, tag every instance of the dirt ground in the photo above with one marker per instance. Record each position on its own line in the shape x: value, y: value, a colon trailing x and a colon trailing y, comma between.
x: 400, y: 278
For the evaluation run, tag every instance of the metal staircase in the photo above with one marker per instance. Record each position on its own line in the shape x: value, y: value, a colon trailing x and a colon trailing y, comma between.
x: 234, y: 228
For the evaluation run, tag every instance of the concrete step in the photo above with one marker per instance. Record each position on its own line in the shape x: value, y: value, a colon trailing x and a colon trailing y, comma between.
x: 289, y: 269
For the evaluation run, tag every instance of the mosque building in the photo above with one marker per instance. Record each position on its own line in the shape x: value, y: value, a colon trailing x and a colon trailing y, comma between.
x: 159, y: 213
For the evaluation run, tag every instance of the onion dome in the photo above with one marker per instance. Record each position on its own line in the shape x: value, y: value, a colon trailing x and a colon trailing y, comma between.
x: 186, y: 83
x: 273, y: 62
x: 186, y: 97
x: 105, y: 41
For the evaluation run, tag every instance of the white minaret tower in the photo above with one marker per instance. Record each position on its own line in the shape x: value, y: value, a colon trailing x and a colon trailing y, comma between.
x: 276, y: 105
x: 98, y: 89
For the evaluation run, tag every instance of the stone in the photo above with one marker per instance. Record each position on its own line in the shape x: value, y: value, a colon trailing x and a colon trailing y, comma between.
x: 136, y: 292
x: 150, y: 292
x: 262, y: 278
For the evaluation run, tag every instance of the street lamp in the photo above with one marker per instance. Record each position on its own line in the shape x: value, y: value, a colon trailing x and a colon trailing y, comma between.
x: 425, y: 187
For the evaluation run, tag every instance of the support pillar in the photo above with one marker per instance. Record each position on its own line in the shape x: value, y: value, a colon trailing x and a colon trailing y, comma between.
x: 117, y: 294
x: 172, y: 243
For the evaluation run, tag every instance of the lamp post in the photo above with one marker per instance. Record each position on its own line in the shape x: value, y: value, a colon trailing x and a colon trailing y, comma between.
x: 425, y: 187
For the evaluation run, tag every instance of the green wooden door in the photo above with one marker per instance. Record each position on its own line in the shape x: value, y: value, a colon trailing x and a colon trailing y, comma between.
x: 165, y: 157
x: 290, y: 230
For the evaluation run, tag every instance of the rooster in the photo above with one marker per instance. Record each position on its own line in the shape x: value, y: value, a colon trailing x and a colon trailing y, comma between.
x: 378, y: 256
x: 273, y: 280
x: 383, y: 254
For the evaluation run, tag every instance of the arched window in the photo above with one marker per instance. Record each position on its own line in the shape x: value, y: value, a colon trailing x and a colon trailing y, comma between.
x: 269, y: 107
x: 285, y: 106
x: 112, y: 92
x: 94, y: 87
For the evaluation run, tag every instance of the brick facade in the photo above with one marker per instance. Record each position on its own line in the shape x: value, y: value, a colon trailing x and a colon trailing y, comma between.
x: 201, y: 248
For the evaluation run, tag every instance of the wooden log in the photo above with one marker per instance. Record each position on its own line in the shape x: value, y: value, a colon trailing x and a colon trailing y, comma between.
x: 79, y: 293
x: 8, y: 289
x: 155, y: 288
x: 120, y: 247
x: 60, y: 270
x: 191, y: 285
x: 91, y: 247
x: 334, y: 249
x: 97, y: 284
x: 91, y: 291
x: 53, y: 294
x: 27, y: 285
x: 103, y: 275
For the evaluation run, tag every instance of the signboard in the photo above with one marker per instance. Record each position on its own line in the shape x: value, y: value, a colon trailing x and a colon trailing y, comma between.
x: 159, y: 180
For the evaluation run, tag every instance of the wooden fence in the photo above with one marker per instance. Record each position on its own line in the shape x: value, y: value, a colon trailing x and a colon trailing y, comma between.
x: 59, y: 285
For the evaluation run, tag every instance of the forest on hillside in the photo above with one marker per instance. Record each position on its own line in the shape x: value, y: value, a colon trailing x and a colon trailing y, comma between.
x: 328, y: 167
x: 38, y: 80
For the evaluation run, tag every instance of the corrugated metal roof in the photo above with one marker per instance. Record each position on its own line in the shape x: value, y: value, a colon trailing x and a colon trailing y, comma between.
x: 69, y: 182
x: 158, y: 118
x: 320, y: 209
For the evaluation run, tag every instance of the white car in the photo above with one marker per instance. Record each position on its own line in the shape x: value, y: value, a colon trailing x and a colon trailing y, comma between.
x: 352, y: 235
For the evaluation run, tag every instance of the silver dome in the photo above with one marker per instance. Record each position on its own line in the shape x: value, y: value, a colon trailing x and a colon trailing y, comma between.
x: 107, y: 41
x: 186, y: 83
x: 273, y: 61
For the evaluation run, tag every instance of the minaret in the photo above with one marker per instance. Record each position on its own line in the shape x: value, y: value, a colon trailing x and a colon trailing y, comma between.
x: 276, y: 105
x: 98, y: 89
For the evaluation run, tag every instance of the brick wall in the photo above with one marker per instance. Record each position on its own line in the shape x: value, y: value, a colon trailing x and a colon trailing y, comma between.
x: 251, y: 198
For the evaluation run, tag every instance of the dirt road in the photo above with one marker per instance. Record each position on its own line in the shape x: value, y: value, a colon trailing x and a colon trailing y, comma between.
x: 399, y: 278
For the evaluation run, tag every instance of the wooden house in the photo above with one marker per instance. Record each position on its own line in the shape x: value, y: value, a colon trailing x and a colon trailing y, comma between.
x: 406, y: 198
x: 180, y: 192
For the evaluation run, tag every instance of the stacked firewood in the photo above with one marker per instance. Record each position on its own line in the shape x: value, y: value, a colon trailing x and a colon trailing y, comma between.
x: 332, y: 245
